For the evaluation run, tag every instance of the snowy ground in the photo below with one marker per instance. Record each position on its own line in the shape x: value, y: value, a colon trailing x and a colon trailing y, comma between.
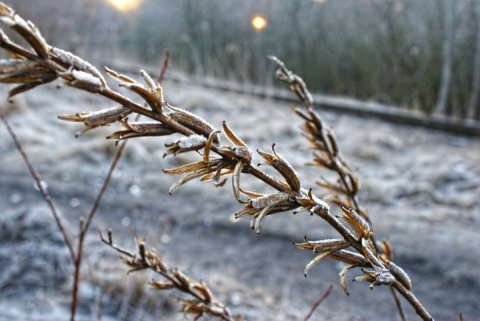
x: 422, y: 189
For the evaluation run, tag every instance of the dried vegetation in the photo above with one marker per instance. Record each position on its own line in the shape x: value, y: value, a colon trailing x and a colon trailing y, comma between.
x: 221, y: 155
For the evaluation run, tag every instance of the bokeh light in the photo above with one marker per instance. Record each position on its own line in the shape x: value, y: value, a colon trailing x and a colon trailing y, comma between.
x: 125, y: 5
x: 259, y: 22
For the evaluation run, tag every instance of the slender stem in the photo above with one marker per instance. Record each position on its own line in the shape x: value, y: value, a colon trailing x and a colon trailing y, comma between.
x: 38, y: 181
x: 318, y: 302
x: 76, y: 274
x: 137, y: 108
x: 85, y: 226
x: 398, y: 304
x: 255, y: 171
x: 414, y: 302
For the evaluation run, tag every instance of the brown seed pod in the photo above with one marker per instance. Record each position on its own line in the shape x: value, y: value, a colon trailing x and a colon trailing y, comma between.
x: 283, y: 167
x: 193, y: 122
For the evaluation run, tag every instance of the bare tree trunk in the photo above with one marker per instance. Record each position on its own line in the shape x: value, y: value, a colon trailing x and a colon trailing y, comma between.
x: 448, y: 7
x: 474, y: 104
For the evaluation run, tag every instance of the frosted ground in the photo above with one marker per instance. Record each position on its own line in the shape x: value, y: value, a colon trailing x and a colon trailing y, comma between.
x: 422, y: 189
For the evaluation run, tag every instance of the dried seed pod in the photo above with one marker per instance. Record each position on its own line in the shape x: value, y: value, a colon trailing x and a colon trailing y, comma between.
x: 26, y: 29
x: 309, y: 202
x: 343, y: 274
x: 246, y: 210
x: 93, y: 119
x: 350, y: 257
x: 204, y: 292
x: 140, y: 129
x: 270, y: 200
x: 14, y: 50
x: 236, y: 180
x: 387, y: 250
x: 162, y: 285
x: 29, y: 74
x: 148, y: 80
x: 376, y: 277
x: 157, y: 263
x: 120, y: 77
x: 321, y: 161
x: 332, y: 142
x: 187, y: 168
x: 149, y: 96
x: 185, y: 144
x: 83, y: 80
x: 181, y: 278
x: 24, y: 71
x: 298, y: 86
x: 316, y: 119
x: 69, y: 60
x: 353, y: 183
x: 255, y: 222
x: 358, y: 223
x: 155, y: 89
x: 208, y: 145
x: 260, y: 207
x: 283, y: 167
x: 193, y: 122
x: 328, y: 245
x: 242, y: 153
x: 399, y: 274
x: 188, y: 177
x: 237, y: 141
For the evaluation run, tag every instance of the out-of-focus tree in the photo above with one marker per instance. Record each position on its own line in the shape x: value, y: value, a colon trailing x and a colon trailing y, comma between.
x: 474, y: 99
x: 423, y: 55
x: 447, y: 55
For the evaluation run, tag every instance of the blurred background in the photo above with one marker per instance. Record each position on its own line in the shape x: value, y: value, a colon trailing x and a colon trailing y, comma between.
x: 419, y: 55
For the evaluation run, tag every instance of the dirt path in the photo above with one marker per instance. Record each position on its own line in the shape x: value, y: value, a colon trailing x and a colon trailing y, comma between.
x: 422, y: 189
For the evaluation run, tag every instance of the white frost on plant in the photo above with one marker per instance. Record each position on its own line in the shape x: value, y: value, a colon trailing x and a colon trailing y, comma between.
x: 192, y: 141
x: 320, y: 202
x: 86, y: 78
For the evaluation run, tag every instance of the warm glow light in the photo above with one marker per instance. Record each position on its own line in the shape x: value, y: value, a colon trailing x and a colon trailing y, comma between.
x: 125, y: 5
x: 259, y: 22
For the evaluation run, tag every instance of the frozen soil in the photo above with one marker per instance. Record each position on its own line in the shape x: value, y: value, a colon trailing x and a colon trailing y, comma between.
x: 422, y: 189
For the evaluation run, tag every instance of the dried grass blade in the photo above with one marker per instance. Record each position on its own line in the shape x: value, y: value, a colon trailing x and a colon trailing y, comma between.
x: 187, y: 178
x: 237, y: 141
x: 316, y: 260
x: 187, y: 168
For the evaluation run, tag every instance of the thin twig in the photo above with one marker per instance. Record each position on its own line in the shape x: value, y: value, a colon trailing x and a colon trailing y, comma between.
x: 38, y: 181
x: 166, y: 57
x: 398, y: 304
x: 318, y: 302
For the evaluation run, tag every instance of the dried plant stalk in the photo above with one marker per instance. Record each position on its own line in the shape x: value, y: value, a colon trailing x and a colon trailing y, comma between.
x: 146, y: 258
x: 355, y: 245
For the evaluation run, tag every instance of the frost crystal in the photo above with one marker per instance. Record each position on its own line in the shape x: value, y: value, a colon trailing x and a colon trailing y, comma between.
x: 320, y: 202
x: 192, y: 141
x: 86, y: 78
